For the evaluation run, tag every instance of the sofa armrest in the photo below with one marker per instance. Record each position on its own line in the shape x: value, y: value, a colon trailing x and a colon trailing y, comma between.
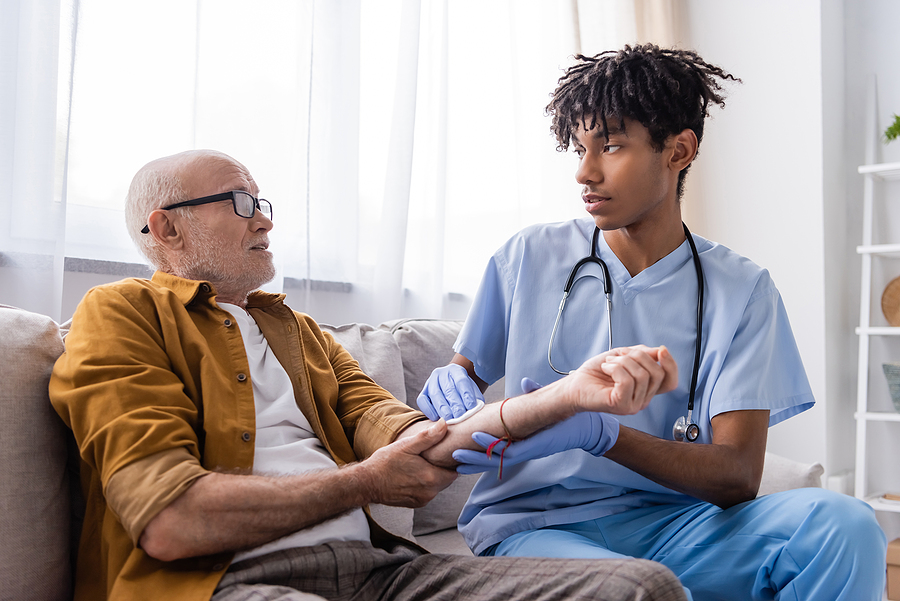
x: 34, y: 494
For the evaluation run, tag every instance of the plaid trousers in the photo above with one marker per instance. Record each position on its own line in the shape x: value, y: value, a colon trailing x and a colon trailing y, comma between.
x: 357, y: 571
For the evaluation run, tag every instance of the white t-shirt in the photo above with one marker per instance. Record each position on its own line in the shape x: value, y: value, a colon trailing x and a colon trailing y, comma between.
x: 285, y: 441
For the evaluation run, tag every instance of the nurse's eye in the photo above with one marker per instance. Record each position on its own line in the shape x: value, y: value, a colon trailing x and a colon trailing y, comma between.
x: 610, y: 148
x: 579, y: 150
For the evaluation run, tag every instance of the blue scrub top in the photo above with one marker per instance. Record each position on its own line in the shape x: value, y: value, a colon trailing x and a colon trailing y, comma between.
x: 749, y: 360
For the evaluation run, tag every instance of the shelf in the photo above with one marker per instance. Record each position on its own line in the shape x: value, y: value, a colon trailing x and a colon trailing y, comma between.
x: 879, y: 249
x: 881, y: 171
x: 876, y: 187
x: 878, y: 503
x: 879, y: 331
x: 878, y: 416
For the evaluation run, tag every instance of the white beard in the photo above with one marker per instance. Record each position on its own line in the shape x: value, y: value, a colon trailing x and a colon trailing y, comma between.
x: 233, y: 273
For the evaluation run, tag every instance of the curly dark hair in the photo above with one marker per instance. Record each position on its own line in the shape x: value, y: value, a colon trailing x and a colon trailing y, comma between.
x: 665, y: 90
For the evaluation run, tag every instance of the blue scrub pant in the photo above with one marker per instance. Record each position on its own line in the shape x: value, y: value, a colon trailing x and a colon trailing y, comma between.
x: 804, y: 544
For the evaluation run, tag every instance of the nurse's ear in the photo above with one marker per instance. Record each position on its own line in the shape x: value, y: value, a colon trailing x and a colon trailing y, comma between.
x: 683, y: 148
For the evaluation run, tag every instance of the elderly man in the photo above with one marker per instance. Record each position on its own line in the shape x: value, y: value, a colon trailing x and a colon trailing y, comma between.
x: 230, y: 447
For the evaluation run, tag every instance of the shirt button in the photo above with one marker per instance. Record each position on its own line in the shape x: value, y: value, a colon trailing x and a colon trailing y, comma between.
x: 218, y: 566
x: 228, y: 323
x: 241, y: 377
x: 246, y: 437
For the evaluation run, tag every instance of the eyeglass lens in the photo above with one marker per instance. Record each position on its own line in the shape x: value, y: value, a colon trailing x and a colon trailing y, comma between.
x: 244, y: 205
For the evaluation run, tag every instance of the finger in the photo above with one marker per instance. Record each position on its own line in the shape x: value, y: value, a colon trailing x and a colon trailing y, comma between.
x: 465, y: 469
x: 470, y: 457
x: 670, y: 370
x: 653, y: 369
x: 427, y: 407
x: 454, y: 406
x: 424, y: 440
x: 663, y: 357
x: 435, y: 404
x: 468, y: 391
x: 484, y: 440
x: 622, y: 395
x: 631, y: 369
x: 643, y: 348
x: 648, y: 374
x: 528, y: 385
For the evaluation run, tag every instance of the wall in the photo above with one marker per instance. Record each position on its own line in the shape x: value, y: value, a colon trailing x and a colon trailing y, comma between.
x: 757, y: 186
x: 871, y: 49
x: 777, y: 181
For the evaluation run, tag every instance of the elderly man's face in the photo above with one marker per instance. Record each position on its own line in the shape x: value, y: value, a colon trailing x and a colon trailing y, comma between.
x: 221, y: 247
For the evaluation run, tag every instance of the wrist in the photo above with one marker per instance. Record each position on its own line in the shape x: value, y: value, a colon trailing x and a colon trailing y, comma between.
x: 363, y: 482
x: 566, y: 397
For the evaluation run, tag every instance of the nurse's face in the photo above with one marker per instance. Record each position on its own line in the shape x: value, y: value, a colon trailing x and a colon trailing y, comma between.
x: 626, y: 182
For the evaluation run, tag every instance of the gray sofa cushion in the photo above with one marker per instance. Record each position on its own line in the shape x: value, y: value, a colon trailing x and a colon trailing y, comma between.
x: 34, y: 486
x: 424, y: 345
x: 375, y: 351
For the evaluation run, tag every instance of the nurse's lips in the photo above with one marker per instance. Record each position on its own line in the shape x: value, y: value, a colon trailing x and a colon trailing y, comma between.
x: 592, y: 200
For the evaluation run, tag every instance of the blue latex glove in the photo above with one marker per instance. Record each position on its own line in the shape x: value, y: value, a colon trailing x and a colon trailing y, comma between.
x: 448, y: 393
x: 529, y: 385
x: 596, y: 433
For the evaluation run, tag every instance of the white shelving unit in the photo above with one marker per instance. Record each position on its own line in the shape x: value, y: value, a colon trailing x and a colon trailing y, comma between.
x: 872, y: 173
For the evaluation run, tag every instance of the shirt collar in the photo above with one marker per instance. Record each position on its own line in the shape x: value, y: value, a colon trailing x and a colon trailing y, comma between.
x: 188, y: 291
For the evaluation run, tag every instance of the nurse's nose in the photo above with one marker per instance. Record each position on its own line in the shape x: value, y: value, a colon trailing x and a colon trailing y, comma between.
x: 589, y: 171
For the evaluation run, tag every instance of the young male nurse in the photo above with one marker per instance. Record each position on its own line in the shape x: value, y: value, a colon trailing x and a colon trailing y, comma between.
x: 599, y: 486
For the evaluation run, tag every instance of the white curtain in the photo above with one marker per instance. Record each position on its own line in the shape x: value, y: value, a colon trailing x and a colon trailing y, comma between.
x: 36, y: 42
x: 399, y: 141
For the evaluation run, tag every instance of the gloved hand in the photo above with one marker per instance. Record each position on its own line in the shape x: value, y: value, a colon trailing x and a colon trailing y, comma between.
x: 596, y: 433
x: 449, y: 393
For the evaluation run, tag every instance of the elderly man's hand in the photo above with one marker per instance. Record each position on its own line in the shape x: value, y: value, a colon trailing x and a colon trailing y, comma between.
x: 398, y: 475
x: 623, y: 381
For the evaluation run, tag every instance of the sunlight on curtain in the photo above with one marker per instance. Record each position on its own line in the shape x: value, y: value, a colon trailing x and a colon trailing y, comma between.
x: 158, y: 78
x: 400, y: 141
x: 35, y: 66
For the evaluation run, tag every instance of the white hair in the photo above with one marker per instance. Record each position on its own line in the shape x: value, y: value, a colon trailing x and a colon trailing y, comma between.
x: 155, y: 186
x: 158, y: 184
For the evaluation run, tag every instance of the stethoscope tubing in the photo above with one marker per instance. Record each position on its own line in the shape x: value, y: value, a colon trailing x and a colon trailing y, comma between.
x: 687, y: 428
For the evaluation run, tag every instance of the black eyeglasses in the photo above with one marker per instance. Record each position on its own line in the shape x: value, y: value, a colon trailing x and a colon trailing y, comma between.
x: 245, y: 204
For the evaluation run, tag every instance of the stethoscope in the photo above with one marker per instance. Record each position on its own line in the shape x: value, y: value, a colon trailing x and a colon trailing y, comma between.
x: 684, y: 428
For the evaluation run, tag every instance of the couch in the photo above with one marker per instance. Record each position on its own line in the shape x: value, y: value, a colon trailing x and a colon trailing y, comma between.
x: 39, y: 497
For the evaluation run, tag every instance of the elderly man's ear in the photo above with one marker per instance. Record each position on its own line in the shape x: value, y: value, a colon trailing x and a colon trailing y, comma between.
x: 166, y: 228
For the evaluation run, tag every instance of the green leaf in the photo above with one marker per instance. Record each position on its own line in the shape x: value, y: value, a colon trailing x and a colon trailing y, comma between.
x: 893, y: 131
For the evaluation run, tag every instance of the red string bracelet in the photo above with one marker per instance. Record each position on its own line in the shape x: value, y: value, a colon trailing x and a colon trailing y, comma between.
x: 508, y: 439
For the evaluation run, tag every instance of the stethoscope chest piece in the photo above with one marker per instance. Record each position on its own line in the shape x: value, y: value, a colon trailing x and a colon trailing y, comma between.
x: 685, y: 430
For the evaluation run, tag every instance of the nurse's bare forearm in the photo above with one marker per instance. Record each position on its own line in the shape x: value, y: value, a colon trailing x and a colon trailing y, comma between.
x: 726, y: 472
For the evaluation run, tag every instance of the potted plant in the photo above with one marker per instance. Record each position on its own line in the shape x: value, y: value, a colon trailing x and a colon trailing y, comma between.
x: 893, y: 130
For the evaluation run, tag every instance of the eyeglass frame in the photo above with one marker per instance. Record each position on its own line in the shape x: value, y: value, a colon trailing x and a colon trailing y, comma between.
x: 230, y: 195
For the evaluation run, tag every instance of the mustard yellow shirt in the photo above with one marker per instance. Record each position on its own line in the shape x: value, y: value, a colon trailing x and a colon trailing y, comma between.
x: 155, y: 385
